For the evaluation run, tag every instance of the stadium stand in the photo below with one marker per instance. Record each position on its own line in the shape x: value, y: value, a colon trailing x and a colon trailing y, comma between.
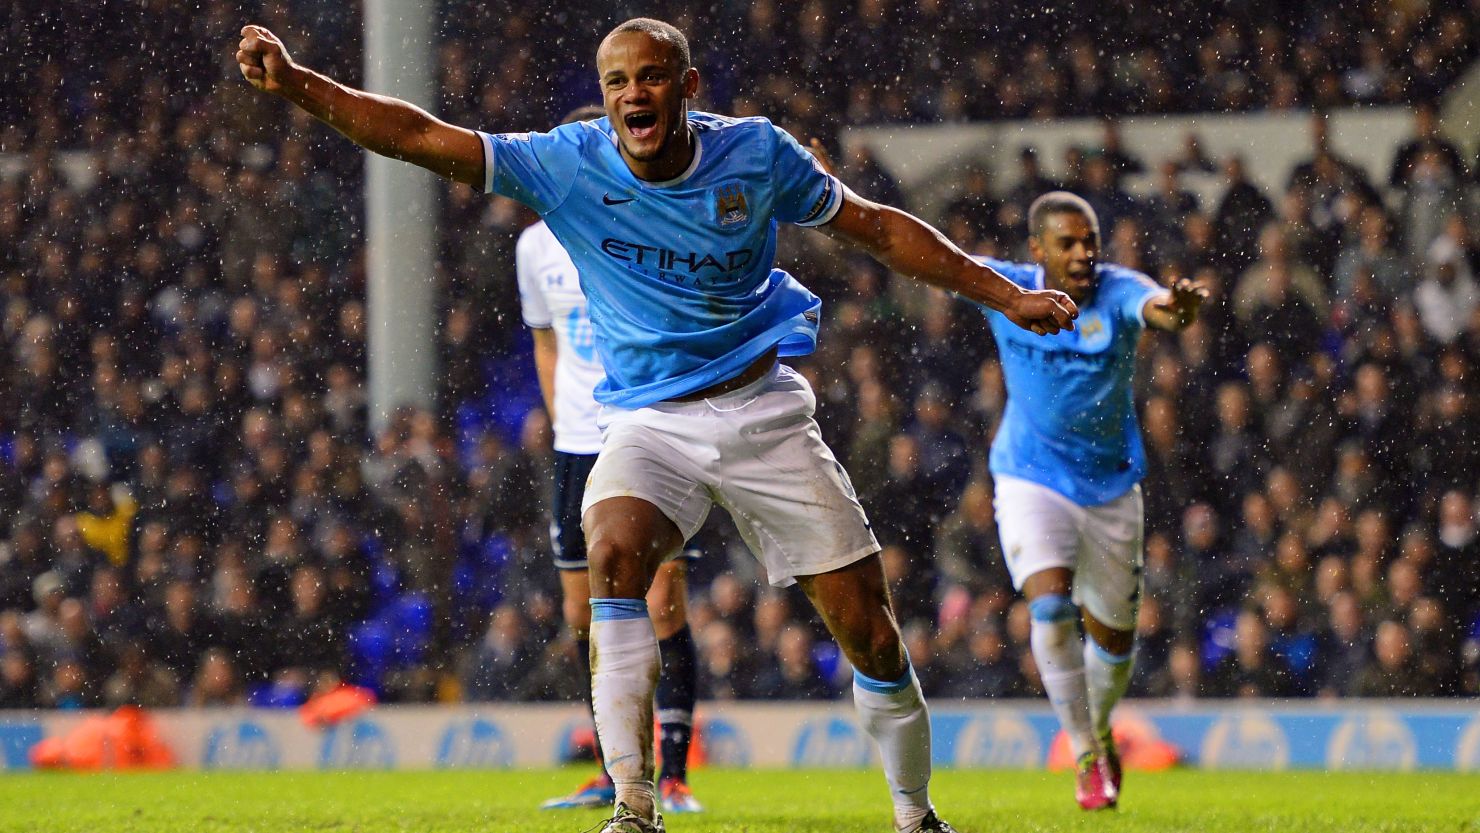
x: 192, y: 510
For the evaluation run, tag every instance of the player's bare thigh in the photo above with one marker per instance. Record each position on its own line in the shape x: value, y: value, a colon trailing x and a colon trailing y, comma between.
x: 627, y: 539
x: 854, y: 603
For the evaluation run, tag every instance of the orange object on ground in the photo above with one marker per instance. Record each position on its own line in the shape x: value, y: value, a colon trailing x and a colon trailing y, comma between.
x: 336, y: 706
x: 1141, y: 748
x: 698, y: 756
x: 125, y: 739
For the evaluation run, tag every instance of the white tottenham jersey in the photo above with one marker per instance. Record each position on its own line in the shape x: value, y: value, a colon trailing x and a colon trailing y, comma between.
x: 550, y: 296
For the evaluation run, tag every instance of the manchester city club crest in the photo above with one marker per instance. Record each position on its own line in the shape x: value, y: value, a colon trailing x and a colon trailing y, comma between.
x: 730, y: 206
x: 1094, y: 335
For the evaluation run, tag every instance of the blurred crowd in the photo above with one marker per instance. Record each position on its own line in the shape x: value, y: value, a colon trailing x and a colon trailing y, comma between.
x: 194, y: 509
x: 819, y: 64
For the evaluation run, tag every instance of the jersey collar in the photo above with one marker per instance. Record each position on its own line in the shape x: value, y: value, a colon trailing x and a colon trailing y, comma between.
x: 668, y: 183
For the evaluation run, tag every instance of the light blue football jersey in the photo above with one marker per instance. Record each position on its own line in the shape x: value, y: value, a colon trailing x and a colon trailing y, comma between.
x: 1070, y: 422
x: 678, y: 274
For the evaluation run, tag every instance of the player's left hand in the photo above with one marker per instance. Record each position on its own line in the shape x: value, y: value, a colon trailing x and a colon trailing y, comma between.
x: 1043, y: 312
x: 1187, y: 298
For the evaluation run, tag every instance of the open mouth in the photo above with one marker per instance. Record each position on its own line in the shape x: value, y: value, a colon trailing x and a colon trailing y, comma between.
x: 641, y: 125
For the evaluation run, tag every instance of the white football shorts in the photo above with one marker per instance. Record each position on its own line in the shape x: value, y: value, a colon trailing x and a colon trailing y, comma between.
x: 756, y: 452
x: 1102, y: 545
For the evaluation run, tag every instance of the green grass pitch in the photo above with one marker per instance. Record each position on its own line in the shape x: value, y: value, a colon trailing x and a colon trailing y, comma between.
x: 737, y: 801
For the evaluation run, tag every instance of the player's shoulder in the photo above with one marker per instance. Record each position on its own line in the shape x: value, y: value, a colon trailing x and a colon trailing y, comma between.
x: 1115, y: 276
x: 714, y: 122
x: 576, y: 137
x: 1025, y: 275
x: 583, y: 134
x: 713, y: 127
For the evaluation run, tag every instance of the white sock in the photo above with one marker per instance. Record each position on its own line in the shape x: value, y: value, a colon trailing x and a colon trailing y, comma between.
x: 1060, y: 656
x: 895, y: 715
x: 624, y: 675
x: 1106, y: 676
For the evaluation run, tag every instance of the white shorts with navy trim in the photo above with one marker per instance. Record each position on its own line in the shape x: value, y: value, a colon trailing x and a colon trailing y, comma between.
x: 757, y: 453
x: 1102, y: 545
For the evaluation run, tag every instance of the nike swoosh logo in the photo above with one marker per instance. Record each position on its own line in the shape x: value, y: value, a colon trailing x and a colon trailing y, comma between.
x: 606, y: 198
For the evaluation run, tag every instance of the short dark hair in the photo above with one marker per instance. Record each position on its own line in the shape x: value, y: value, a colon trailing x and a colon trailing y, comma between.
x: 585, y: 112
x: 658, y: 30
x: 1059, y: 202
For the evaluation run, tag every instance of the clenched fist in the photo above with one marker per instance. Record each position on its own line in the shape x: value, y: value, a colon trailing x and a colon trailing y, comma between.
x: 1043, y: 312
x: 263, y: 60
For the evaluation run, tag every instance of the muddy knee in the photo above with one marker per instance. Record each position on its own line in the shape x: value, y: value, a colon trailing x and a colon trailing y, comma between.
x: 626, y: 540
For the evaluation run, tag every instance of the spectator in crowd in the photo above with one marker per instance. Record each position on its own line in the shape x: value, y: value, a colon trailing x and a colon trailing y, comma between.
x: 1240, y: 215
x: 1031, y: 182
x: 1448, y: 296
x: 1167, y: 211
x: 986, y: 669
x: 19, y: 687
x: 141, y: 680
x: 869, y: 452
x: 1395, y: 673
x: 69, y: 687
x: 1256, y: 287
x: 978, y: 207
x: 1253, y: 668
x: 726, y: 672
x: 216, y: 682
x: 968, y: 552
x: 497, y: 668
x: 913, y: 499
x: 1370, y: 259
x: 1456, y: 566
x: 43, y: 625
x: 793, y: 673
x: 1426, y: 137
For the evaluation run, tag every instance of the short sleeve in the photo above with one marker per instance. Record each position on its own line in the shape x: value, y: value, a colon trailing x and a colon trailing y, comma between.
x: 537, y: 169
x: 806, y: 195
x: 533, y: 305
x: 1129, y: 292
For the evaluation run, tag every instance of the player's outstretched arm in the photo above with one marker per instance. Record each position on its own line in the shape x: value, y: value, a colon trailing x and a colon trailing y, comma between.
x: 910, y: 246
x: 546, y: 355
x: 1175, y: 310
x: 387, y: 126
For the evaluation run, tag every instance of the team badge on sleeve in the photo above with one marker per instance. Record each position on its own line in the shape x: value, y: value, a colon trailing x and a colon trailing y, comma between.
x: 730, y: 205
